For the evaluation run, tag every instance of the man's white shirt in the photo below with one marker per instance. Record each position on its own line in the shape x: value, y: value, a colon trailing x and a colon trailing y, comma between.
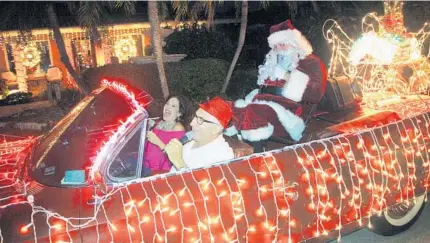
x: 213, y: 152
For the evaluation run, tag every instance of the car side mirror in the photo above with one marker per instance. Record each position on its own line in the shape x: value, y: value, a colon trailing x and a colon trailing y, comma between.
x: 100, y: 182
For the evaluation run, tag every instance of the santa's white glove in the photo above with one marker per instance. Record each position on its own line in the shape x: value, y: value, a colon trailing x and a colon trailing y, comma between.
x: 279, y: 72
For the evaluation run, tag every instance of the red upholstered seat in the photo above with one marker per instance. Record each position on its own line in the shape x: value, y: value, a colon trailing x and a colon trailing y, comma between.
x: 240, y: 148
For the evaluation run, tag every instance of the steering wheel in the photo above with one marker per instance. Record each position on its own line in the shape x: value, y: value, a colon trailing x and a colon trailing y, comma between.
x: 121, y: 167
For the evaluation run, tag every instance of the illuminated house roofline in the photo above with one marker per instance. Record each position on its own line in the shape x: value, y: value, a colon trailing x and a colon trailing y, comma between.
x: 136, y: 25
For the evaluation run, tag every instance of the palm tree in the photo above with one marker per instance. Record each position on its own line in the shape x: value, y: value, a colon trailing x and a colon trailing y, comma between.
x: 52, y: 15
x: 192, y: 10
x: 89, y: 16
x: 157, y: 45
x: 242, y: 34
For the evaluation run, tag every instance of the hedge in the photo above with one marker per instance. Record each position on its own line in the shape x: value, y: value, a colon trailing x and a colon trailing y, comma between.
x: 200, y: 43
x: 199, y: 79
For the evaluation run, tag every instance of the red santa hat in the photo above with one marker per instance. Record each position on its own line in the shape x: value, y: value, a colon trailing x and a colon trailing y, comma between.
x: 220, y: 109
x: 285, y: 33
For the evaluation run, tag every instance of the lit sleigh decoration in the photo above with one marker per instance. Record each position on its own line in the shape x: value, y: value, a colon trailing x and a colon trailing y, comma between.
x: 385, y: 58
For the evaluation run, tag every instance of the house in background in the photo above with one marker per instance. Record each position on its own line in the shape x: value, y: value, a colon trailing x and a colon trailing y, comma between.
x: 25, y: 56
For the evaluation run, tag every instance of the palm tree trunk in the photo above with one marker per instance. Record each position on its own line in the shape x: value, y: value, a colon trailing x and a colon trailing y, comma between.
x: 292, y: 7
x: 243, y: 24
x: 211, y: 14
x: 62, y: 49
x: 315, y: 7
x: 157, y: 45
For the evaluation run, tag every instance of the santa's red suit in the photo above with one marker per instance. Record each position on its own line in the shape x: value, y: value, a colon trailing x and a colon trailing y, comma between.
x: 276, y: 108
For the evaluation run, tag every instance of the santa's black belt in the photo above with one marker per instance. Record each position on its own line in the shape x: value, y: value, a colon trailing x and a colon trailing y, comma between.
x: 271, y: 90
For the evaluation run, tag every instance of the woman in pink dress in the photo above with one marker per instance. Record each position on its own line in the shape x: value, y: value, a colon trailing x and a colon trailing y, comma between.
x: 176, y: 118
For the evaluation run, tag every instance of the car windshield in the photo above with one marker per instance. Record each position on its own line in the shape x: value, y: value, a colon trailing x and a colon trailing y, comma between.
x: 78, y: 137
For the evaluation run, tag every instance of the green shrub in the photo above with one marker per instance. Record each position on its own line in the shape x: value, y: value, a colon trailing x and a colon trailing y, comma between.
x: 200, y: 43
x: 198, y: 79
x: 242, y: 82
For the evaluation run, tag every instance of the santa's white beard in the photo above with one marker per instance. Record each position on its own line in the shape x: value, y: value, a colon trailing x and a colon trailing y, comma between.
x: 290, y: 60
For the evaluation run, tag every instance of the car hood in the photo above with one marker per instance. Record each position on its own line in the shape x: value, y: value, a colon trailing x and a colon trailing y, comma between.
x: 76, y: 140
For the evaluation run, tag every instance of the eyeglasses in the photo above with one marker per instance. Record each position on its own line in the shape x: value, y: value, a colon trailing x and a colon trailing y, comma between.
x: 200, y: 120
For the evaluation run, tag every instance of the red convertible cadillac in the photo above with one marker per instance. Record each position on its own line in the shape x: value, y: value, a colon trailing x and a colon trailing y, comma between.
x: 74, y: 184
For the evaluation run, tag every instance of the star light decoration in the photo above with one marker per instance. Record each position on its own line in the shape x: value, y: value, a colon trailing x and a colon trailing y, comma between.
x: 385, y: 58
x: 287, y: 195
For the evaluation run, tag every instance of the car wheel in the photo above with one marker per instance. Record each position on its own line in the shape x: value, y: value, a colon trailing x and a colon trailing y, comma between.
x: 398, y: 218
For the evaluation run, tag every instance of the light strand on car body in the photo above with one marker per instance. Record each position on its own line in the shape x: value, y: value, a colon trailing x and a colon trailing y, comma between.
x: 284, y: 188
x: 127, y: 207
x: 405, y: 139
x: 191, y: 204
x: 415, y: 142
x: 205, y: 206
x: 274, y: 190
x: 372, y: 182
x: 357, y: 193
x: 383, y: 173
x: 241, y: 202
x: 318, y: 188
x: 218, y: 217
x: 234, y: 208
x: 338, y: 178
x: 261, y: 209
x: 394, y: 162
x: 178, y: 210
x: 145, y: 217
x: 426, y: 164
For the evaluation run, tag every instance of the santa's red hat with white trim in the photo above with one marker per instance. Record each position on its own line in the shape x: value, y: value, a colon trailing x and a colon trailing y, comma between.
x: 285, y: 33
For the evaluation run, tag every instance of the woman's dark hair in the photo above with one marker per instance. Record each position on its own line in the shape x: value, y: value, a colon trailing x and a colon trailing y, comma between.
x: 186, y: 108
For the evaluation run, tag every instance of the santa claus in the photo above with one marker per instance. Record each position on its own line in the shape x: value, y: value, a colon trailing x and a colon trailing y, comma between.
x: 289, y: 77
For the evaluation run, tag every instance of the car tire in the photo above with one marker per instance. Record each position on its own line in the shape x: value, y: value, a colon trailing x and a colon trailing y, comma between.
x: 398, y: 218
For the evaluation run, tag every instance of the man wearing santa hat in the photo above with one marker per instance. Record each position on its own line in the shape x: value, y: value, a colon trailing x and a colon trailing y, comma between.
x: 208, y: 145
x: 290, y: 74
